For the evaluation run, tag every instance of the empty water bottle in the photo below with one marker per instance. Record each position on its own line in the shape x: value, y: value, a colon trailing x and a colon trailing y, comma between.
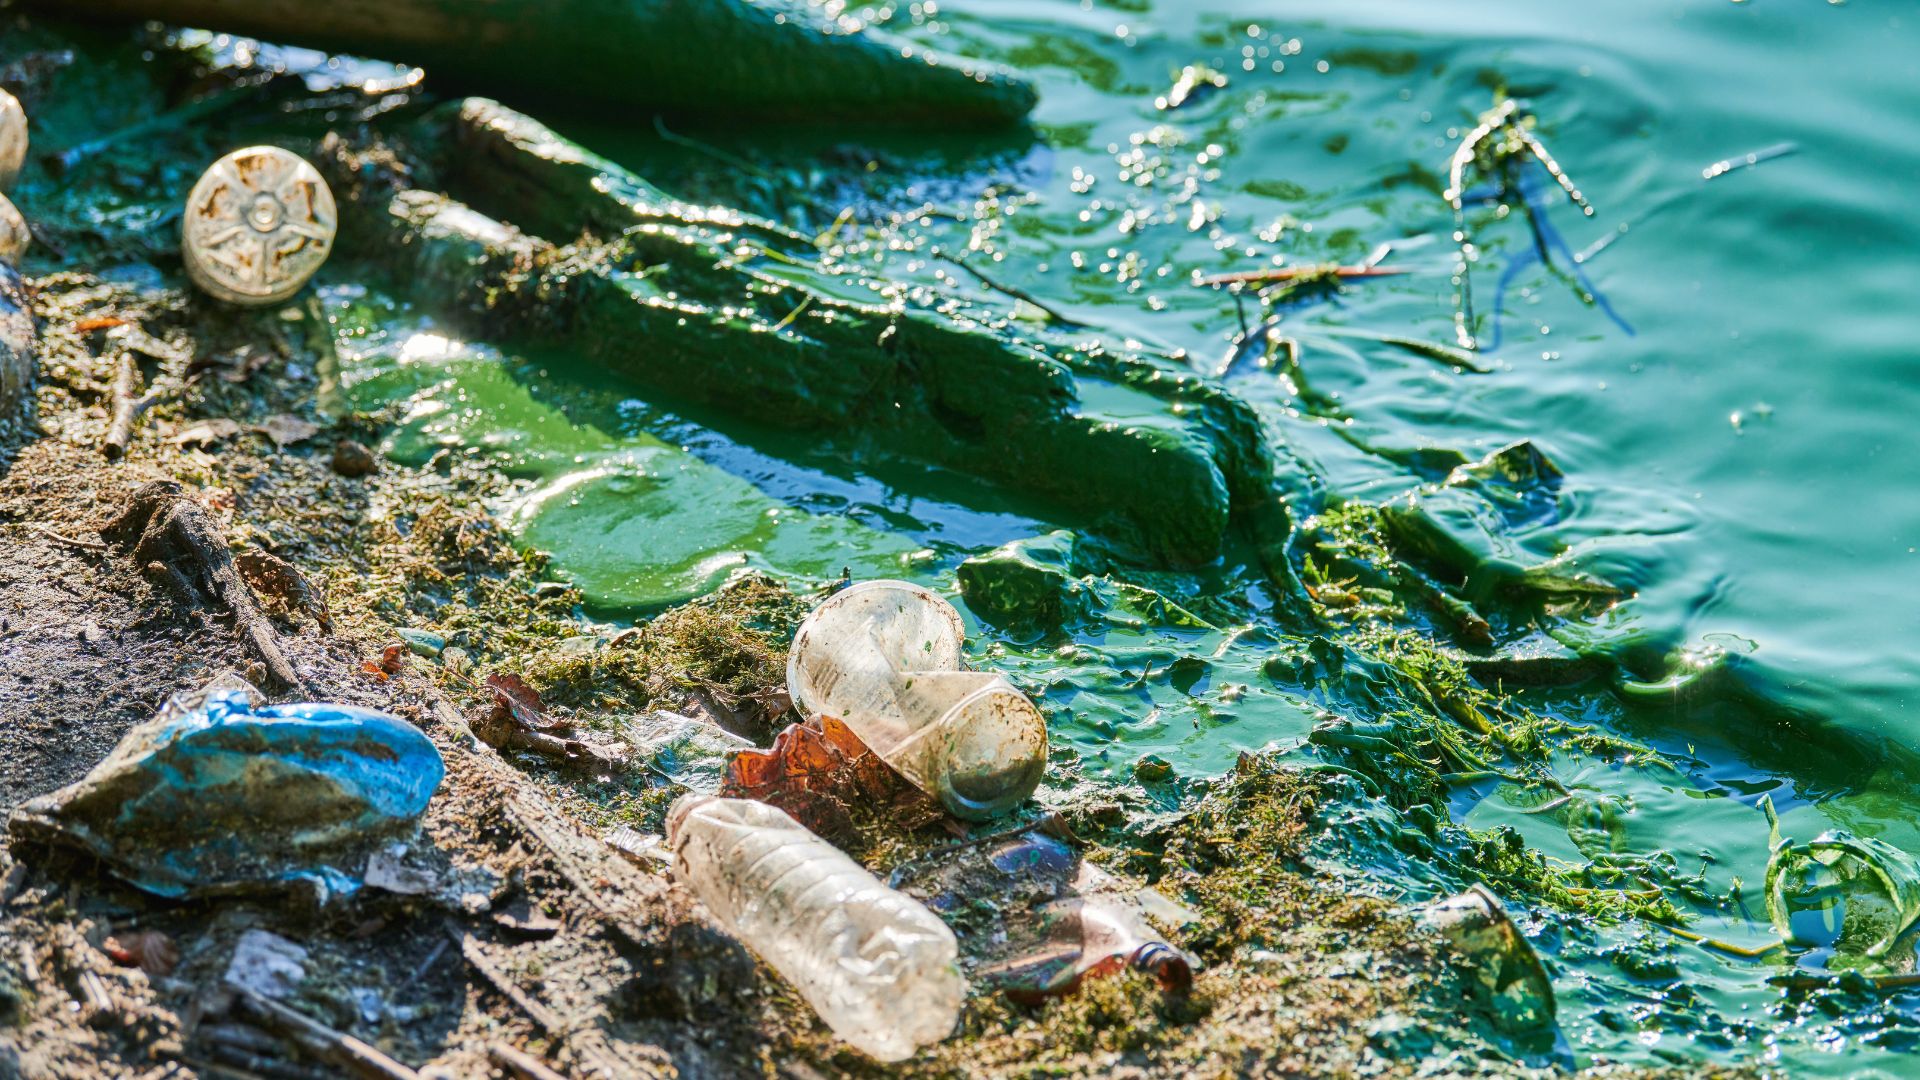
x: 883, y: 657
x: 878, y: 967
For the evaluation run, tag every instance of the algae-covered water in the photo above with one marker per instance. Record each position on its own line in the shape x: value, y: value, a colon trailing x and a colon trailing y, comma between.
x: 1719, y: 359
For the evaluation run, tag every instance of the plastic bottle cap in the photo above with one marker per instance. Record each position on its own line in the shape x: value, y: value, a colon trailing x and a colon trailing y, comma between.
x: 257, y: 225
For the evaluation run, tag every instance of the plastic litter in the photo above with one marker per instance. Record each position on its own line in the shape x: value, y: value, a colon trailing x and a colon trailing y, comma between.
x: 217, y: 794
x: 266, y: 964
x: 819, y: 772
x: 13, y: 139
x: 257, y: 225
x: 1056, y: 921
x: 1499, y: 955
x: 15, y: 236
x: 689, y: 752
x: 878, y: 967
x: 884, y: 658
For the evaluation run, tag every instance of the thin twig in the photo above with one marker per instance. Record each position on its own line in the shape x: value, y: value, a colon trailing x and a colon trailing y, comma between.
x: 322, y: 1041
x: 1285, y: 274
x: 84, y: 545
x: 1009, y: 290
x: 520, y: 1064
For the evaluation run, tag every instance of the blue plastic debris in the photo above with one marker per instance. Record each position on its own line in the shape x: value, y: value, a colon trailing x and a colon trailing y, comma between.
x: 219, y: 794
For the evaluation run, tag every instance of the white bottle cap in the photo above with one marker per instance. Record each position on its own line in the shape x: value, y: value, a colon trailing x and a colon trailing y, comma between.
x: 257, y: 226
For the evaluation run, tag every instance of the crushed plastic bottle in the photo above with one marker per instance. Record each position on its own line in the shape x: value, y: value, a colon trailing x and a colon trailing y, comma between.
x: 878, y: 967
x: 1499, y: 956
x: 884, y: 658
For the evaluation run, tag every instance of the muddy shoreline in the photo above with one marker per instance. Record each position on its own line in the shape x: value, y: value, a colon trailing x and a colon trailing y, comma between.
x: 564, y: 947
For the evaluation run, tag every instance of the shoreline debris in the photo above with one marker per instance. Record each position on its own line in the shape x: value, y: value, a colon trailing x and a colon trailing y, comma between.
x: 257, y: 224
x: 880, y: 969
x: 884, y: 657
x: 219, y: 794
x: 177, y: 546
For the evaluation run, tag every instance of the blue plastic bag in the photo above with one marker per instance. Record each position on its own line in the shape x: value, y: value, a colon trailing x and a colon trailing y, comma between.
x: 218, y: 794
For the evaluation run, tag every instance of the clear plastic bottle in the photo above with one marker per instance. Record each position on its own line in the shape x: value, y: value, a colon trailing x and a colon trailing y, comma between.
x: 879, y: 968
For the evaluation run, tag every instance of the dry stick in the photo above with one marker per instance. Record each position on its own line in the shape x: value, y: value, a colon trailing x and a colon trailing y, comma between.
x: 521, y: 1064
x: 128, y: 409
x: 175, y: 542
x: 1017, y: 294
x: 322, y: 1041
x: 126, y: 382
x: 1282, y: 274
x: 546, y: 1019
x: 84, y: 545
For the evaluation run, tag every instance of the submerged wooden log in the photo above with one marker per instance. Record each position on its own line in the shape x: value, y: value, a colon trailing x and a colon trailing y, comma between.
x: 716, y: 309
x: 753, y: 59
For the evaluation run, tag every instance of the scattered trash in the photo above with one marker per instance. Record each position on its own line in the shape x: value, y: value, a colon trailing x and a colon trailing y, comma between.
x: 818, y: 771
x: 688, y: 752
x: 1862, y: 893
x: 1498, y: 956
x: 354, y: 459
x: 257, y: 225
x: 879, y: 968
x: 266, y: 964
x: 13, y: 139
x: 389, y: 871
x: 1055, y: 919
x: 217, y: 794
x: 885, y: 658
x: 15, y: 236
x: 149, y: 950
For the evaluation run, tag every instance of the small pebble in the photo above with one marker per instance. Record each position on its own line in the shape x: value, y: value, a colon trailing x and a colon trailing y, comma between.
x: 353, y: 459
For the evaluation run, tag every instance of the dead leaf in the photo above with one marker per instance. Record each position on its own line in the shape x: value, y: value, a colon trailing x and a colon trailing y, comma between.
x: 819, y: 774
x: 205, y: 432
x: 235, y: 366
x: 522, y: 703
x: 284, y: 429
x: 98, y: 322
x: 149, y: 950
x: 273, y: 578
x: 392, y: 659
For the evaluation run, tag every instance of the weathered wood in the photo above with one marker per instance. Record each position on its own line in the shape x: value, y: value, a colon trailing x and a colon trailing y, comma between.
x: 681, y: 304
x: 175, y: 543
x: 751, y: 59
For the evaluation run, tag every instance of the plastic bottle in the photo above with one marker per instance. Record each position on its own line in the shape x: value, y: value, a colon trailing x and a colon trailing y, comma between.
x: 883, y: 657
x: 1499, y: 956
x: 878, y: 967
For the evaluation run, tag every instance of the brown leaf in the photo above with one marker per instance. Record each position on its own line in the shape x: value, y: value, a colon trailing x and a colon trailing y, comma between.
x: 392, y: 659
x: 819, y: 774
x: 204, y: 432
x: 273, y: 578
x: 284, y: 428
x: 149, y: 950
x: 522, y: 703
x: 98, y: 322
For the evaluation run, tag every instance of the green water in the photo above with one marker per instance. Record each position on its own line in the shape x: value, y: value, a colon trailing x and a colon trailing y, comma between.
x: 1731, y: 412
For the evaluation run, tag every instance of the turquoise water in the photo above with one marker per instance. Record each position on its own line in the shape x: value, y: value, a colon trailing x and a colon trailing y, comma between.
x: 1721, y: 367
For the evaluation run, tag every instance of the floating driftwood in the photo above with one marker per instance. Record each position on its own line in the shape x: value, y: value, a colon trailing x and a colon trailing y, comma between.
x: 711, y: 307
x: 752, y: 59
